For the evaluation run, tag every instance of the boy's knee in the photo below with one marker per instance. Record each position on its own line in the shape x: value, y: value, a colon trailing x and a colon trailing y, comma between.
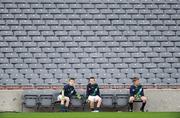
x: 67, y: 99
x: 59, y: 98
x: 144, y: 99
x: 131, y: 99
x: 100, y: 99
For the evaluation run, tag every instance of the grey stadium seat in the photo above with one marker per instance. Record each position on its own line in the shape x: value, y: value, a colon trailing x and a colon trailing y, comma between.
x: 108, y: 100
x: 46, y: 99
x: 30, y: 99
x: 121, y: 100
x: 118, y: 36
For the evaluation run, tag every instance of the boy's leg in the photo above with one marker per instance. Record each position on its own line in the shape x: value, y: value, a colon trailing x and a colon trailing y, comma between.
x: 91, y: 102
x: 60, y: 98
x: 131, y: 100
x: 67, y: 100
x: 64, y: 103
x: 144, y: 99
x: 92, y: 105
x: 99, y: 101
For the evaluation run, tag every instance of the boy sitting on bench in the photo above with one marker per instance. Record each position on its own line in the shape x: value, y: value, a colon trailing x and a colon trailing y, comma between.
x: 65, y: 95
x: 137, y: 94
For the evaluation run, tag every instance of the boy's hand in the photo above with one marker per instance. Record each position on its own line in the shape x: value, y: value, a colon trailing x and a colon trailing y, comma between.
x: 137, y: 97
x: 63, y: 97
x: 78, y: 96
x: 87, y: 101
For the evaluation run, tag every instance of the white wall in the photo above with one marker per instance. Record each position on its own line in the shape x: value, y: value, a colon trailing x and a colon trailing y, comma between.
x: 158, y: 99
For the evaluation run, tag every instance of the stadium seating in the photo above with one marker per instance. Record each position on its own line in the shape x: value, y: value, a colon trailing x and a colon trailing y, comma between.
x: 37, y: 99
x: 30, y: 100
x: 108, y: 100
x: 43, y: 42
x: 121, y: 100
x: 46, y: 100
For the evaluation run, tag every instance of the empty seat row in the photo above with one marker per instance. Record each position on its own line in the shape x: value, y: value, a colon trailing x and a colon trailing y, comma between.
x: 91, y: 65
x: 90, y: 5
x: 125, y: 81
x: 89, y: 28
x: 5, y: 72
x: 68, y: 74
x: 89, y: 46
x: 48, y: 41
x: 138, y: 41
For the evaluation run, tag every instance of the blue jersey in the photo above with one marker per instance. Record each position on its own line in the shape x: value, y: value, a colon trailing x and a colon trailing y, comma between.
x: 69, y: 91
x: 136, y: 90
x: 93, y: 90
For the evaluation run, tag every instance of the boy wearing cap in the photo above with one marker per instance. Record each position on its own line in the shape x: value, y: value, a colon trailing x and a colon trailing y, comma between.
x: 137, y: 94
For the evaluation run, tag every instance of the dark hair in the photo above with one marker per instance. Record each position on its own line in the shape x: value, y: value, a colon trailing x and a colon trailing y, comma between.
x: 71, y: 79
x: 92, y: 78
x: 134, y: 79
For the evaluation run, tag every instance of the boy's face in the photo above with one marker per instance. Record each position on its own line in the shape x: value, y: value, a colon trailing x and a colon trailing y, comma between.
x: 71, y: 82
x: 92, y: 81
x: 136, y: 82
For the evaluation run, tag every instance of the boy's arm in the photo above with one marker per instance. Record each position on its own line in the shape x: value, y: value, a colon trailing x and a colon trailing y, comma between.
x: 62, y: 92
x: 98, y: 91
x: 131, y: 91
x: 142, y: 93
x: 87, y: 92
x: 77, y: 94
x: 65, y: 90
x: 74, y: 92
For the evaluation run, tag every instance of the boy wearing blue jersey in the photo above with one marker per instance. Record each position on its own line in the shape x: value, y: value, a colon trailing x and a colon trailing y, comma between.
x: 137, y: 94
x: 66, y: 94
